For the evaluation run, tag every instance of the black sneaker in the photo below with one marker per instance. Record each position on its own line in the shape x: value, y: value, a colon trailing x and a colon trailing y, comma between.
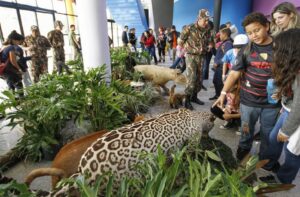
x: 274, y: 168
x: 213, y: 98
x: 270, y: 179
x: 241, y: 153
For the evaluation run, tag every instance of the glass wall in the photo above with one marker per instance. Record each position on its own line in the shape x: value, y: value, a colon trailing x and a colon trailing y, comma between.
x: 28, y: 19
x: 9, y: 21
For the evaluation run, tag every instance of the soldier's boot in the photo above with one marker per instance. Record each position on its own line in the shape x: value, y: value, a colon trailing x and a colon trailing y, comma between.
x: 196, y: 100
x: 187, y: 103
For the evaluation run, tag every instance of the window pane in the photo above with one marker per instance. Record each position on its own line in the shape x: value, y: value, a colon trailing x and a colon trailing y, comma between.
x: 28, y: 19
x: 9, y: 21
x: 45, y: 23
x: 45, y: 4
x: 59, y: 6
x: 27, y: 2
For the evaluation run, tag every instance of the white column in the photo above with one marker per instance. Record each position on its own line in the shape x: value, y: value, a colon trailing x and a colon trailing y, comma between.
x: 93, y: 33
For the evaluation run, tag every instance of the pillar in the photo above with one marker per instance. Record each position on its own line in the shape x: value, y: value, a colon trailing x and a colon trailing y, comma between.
x: 69, y: 6
x: 217, y: 13
x: 94, y: 35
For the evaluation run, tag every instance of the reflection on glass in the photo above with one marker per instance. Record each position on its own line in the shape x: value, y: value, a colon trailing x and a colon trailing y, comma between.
x: 45, y: 23
x: 27, y: 2
x: 9, y: 21
x: 59, y: 6
x: 28, y: 19
x: 45, y: 4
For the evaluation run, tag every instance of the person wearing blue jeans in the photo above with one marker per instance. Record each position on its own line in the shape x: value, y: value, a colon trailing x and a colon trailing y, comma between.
x: 151, y: 51
x: 288, y: 171
x: 249, y: 117
x: 286, y: 131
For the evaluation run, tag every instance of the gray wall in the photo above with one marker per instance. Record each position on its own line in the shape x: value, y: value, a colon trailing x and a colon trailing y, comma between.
x: 162, y: 13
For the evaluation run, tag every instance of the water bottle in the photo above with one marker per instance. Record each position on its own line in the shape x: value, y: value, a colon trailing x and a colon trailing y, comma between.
x: 271, y: 89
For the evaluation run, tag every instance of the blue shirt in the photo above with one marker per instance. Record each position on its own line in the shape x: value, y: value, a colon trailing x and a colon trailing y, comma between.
x: 229, y: 57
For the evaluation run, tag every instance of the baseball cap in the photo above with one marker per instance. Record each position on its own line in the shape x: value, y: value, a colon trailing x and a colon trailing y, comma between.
x: 203, y: 13
x: 240, y: 40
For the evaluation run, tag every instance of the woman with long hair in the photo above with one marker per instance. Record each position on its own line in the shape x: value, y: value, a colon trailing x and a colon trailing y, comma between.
x: 286, y: 71
x: 284, y: 16
x: 13, y: 72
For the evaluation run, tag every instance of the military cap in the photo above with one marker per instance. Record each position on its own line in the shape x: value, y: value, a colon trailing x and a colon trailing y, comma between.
x: 58, y: 23
x: 34, y: 27
x: 203, y: 13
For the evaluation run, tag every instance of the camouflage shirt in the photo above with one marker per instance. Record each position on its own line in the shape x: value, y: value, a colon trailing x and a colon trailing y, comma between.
x: 56, y: 39
x: 38, y: 46
x: 196, y: 39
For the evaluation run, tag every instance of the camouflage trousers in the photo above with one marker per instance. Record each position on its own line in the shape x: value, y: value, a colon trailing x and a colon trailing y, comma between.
x: 194, y: 73
x: 39, y: 66
x: 59, y: 60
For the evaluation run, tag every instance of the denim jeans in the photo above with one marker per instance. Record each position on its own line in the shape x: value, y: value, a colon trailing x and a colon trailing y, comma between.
x: 273, y: 153
x: 249, y: 117
x: 176, y: 62
x: 151, y: 51
x: 288, y: 171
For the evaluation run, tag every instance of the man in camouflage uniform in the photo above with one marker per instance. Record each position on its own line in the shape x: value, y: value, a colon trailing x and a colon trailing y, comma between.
x: 56, y: 39
x: 37, y: 47
x: 196, y: 38
x: 76, y: 48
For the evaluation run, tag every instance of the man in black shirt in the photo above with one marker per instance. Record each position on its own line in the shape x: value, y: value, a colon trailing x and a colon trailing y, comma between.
x: 125, y: 36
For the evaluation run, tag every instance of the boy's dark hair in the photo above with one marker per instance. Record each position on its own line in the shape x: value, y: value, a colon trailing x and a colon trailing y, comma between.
x: 125, y: 27
x: 226, y: 31
x: 72, y: 26
x: 255, y: 17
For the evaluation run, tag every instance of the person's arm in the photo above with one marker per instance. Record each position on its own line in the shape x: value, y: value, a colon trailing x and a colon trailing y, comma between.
x: 49, y: 36
x: 292, y: 122
x: 13, y: 60
x: 232, y: 78
x: 185, y: 34
x: 224, y: 70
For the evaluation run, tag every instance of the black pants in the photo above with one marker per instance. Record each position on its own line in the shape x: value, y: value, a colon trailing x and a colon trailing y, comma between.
x: 13, y: 79
x: 161, y: 53
x: 217, y: 80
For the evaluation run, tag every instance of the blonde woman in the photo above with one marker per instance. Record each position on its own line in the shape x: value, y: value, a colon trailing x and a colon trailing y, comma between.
x: 284, y: 16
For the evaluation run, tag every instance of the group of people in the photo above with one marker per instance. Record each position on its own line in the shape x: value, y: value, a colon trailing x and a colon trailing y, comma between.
x: 35, y: 46
x: 272, y: 54
x: 244, y: 65
x: 165, y: 41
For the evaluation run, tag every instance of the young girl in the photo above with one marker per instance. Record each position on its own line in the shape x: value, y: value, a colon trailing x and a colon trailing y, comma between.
x: 286, y: 131
x: 180, y: 59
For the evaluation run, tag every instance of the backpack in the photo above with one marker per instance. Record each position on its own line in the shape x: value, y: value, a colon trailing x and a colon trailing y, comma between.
x: 3, y: 64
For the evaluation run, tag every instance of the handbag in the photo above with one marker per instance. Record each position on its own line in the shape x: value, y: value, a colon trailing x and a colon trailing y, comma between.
x: 3, y: 65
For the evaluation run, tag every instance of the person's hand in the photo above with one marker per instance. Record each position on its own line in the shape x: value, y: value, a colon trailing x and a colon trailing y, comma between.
x: 215, y: 66
x: 227, y: 116
x: 223, y: 77
x: 282, y: 138
x: 220, y: 101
